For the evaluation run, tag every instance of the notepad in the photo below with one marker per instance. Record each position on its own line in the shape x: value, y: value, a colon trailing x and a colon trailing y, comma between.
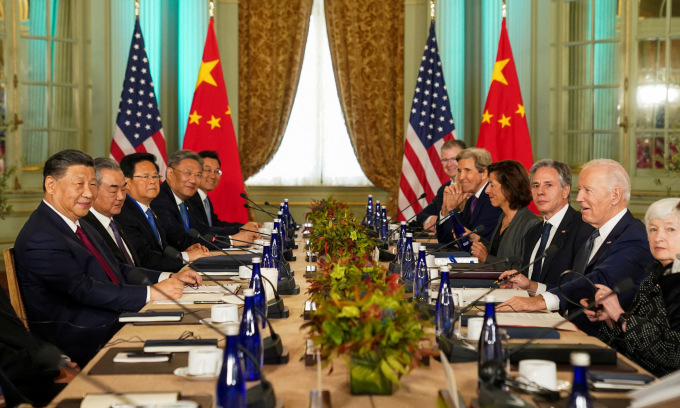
x: 134, y: 399
x: 150, y: 317
x: 178, y: 345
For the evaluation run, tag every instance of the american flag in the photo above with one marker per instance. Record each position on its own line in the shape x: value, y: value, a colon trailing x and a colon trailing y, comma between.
x: 138, y: 125
x: 430, y: 125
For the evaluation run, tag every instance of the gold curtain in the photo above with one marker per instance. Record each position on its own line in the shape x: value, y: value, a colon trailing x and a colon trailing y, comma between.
x: 272, y: 38
x: 367, y: 47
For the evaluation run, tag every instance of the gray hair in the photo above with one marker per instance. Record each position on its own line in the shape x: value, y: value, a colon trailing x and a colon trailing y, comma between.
x: 104, y: 163
x: 615, y: 173
x: 482, y: 157
x: 453, y: 143
x: 180, y: 155
x: 663, y: 209
x: 562, y: 169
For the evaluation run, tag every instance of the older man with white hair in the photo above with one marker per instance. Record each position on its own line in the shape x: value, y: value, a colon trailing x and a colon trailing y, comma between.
x: 618, y: 247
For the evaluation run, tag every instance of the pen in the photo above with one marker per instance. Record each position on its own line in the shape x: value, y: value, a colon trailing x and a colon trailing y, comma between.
x: 506, y: 278
x: 208, y: 302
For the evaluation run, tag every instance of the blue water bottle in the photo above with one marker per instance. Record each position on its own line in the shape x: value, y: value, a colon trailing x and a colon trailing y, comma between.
x: 408, y: 262
x: 446, y: 308
x: 458, y: 231
x: 580, y: 396
x: 289, y: 217
x: 275, y: 249
x: 231, y: 385
x: 249, y: 336
x: 267, y: 259
x: 422, y: 276
x: 257, y: 285
x: 490, y: 347
x: 401, y: 240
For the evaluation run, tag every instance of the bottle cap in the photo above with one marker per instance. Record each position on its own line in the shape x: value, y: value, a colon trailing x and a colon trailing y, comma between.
x: 281, y: 204
x: 403, y: 223
x: 490, y: 299
x: 275, y: 231
x: 383, y: 207
x: 422, y: 248
x: 285, y: 200
x: 409, y: 234
x: 579, y: 359
x: 248, y: 292
x: 256, y: 260
x: 370, y: 195
x: 231, y: 329
x: 444, y: 268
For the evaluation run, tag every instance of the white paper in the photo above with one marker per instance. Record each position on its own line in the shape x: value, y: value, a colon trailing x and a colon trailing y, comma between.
x: 534, y: 320
x: 232, y: 288
x: 134, y: 399
x: 471, y: 294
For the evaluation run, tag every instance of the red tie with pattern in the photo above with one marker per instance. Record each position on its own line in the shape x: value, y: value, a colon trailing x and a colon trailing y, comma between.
x: 90, y: 247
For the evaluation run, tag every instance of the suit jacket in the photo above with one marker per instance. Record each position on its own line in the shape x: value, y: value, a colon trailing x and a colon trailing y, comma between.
x: 512, y: 241
x: 70, y: 300
x: 104, y: 233
x: 199, y: 219
x: 29, y: 364
x: 624, y: 253
x: 139, y: 234
x: 434, y: 208
x: 165, y: 207
x: 484, y: 214
x: 570, y: 235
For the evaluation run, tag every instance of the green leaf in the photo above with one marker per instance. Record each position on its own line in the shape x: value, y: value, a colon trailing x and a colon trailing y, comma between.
x: 388, y: 372
x: 349, y: 312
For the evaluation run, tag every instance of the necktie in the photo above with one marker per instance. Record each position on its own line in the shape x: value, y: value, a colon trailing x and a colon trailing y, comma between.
x: 473, y: 203
x: 208, y: 213
x: 90, y: 247
x: 538, y: 266
x: 581, y: 263
x: 152, y: 222
x: 121, y: 245
x: 185, y: 216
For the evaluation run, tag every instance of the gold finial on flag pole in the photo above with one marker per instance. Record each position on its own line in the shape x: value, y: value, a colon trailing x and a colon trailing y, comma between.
x: 212, y: 8
x: 136, y: 8
x: 503, y: 8
x: 432, y: 8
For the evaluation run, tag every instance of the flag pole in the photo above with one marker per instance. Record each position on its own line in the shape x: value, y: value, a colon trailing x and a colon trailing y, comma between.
x: 504, y: 8
x: 212, y: 9
x: 432, y: 9
x: 137, y: 9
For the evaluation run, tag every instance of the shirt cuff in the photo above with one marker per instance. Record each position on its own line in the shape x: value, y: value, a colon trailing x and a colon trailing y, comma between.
x: 148, y: 294
x: 185, y: 257
x: 552, y: 302
x: 540, y: 289
x: 164, y: 275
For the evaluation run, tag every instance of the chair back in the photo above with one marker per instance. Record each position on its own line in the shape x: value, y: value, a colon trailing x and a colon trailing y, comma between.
x: 13, y: 286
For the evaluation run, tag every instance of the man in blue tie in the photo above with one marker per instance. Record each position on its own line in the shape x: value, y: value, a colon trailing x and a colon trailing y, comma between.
x: 140, y: 224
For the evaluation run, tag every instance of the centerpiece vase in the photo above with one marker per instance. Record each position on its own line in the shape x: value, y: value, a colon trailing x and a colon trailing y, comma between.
x: 366, y: 377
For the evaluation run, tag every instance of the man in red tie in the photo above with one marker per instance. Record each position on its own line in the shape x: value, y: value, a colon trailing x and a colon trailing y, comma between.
x: 74, y: 287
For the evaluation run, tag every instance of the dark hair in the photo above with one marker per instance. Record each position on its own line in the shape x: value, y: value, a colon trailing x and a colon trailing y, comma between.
x: 210, y: 154
x: 184, y: 154
x: 57, y: 165
x: 450, y: 144
x: 562, y: 169
x: 128, y: 163
x: 101, y: 163
x: 514, y: 181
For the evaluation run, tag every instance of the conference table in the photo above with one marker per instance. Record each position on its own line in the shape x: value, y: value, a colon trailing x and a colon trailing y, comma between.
x: 292, y: 381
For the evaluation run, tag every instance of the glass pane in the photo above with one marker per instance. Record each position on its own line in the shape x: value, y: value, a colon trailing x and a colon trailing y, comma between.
x: 605, y: 19
x: 675, y: 8
x: 578, y: 146
x: 37, y: 17
x: 605, y: 63
x: 578, y: 116
x: 34, y: 63
x: 62, y: 16
x: 606, y: 109
x: 63, y: 107
x: 579, y: 63
x: 651, y: 60
x: 579, y: 22
x: 644, y: 155
x: 674, y: 107
x: 675, y: 61
x: 34, y: 105
x: 673, y: 156
x: 62, y: 63
x: 650, y: 113
x: 605, y: 145
x: 34, y: 147
x: 651, y: 8
x: 62, y: 140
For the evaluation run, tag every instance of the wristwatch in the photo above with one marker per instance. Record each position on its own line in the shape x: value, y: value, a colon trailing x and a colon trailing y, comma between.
x: 623, y: 318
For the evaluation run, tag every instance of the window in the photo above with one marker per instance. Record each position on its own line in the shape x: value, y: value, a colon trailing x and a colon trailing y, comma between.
x: 315, y: 149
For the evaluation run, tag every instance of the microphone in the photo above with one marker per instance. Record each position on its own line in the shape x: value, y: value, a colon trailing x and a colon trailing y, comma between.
x: 507, y: 260
x: 258, y: 208
x: 479, y: 228
x: 407, y: 207
x: 262, y: 395
x: 550, y: 251
x: 276, y: 310
x: 256, y: 232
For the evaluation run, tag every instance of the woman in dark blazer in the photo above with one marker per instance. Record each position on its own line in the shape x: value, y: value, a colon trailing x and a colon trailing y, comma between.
x: 508, y: 189
x: 649, y: 333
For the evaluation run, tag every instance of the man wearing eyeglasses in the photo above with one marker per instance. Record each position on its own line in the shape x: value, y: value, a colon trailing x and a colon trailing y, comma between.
x: 141, y: 225
x: 201, y: 205
x: 183, y: 177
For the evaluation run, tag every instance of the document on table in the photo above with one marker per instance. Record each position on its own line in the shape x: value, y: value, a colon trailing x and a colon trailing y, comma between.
x: 129, y: 399
x: 534, y: 320
x: 231, y: 288
x: 501, y: 295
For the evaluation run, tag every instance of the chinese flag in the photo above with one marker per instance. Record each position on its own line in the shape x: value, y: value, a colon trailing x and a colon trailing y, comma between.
x: 210, y: 128
x: 504, y: 131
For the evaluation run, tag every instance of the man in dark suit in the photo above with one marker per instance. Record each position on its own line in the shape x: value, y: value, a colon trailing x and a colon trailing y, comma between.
x: 429, y: 215
x: 184, y: 173
x: 200, y: 205
x: 140, y: 224
x: 618, y: 248
x: 473, y: 177
x: 562, y: 228
x: 111, y: 187
x: 74, y: 287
